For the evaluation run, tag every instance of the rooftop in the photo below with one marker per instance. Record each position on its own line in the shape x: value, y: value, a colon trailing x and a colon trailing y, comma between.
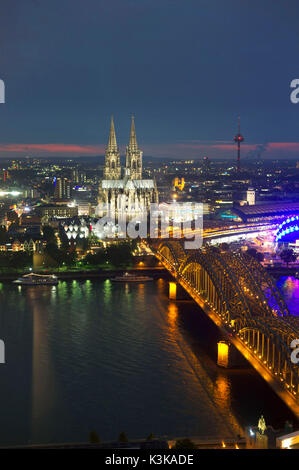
x: 266, y: 210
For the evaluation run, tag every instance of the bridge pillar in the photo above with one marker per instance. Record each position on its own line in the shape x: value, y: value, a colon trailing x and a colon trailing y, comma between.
x: 228, y: 355
x: 176, y: 291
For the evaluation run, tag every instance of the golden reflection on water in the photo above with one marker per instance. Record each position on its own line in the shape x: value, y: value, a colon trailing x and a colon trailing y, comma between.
x: 218, y: 388
x: 172, y: 315
x: 223, y: 398
x: 43, y: 375
x: 140, y: 292
x: 44, y: 383
x: 222, y: 389
x: 127, y: 288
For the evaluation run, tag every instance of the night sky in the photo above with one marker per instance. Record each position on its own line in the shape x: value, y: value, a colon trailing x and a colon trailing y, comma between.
x: 185, y: 68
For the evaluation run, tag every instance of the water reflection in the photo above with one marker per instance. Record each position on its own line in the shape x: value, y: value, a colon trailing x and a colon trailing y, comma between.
x: 289, y: 286
x: 112, y: 357
x: 172, y: 315
x: 43, y: 374
x: 196, y: 361
x: 222, y: 389
x: 107, y: 291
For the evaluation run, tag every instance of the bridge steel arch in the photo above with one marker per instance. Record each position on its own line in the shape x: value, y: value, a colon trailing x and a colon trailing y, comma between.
x: 172, y: 251
x: 273, y: 295
x: 215, y: 282
x: 239, y: 291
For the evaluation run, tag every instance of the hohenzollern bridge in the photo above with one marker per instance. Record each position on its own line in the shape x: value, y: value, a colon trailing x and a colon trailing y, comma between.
x: 238, y: 294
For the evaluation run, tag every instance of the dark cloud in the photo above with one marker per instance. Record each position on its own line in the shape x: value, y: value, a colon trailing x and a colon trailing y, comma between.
x: 185, y: 69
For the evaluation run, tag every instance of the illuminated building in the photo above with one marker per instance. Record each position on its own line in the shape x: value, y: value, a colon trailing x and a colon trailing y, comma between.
x: 131, y: 194
x: 177, y: 212
x: 79, y: 176
x: 82, y: 227
x: 250, y: 196
x: 5, y: 176
x: 206, y: 165
x: 288, y: 231
x: 31, y: 193
x: 50, y: 211
x: 62, y: 189
x: 77, y: 227
x: 17, y: 246
x: 84, y: 208
x: 179, y: 183
x: 267, y: 212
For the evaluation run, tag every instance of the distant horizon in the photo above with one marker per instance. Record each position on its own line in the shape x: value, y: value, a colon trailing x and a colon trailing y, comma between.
x: 193, y: 150
x: 152, y: 157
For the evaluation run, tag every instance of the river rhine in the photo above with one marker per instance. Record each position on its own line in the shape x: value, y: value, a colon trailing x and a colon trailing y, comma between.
x: 95, y: 355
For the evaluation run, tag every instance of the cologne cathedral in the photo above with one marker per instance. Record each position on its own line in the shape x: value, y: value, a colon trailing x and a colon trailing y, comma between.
x: 125, y: 192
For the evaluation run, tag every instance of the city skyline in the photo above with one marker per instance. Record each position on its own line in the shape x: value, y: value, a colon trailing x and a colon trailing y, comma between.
x: 149, y: 227
x: 216, y: 150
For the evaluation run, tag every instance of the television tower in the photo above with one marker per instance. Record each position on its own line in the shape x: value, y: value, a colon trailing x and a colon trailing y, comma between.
x: 238, y: 139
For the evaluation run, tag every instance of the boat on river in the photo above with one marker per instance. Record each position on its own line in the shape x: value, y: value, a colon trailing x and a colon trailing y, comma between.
x: 33, y: 279
x: 127, y: 277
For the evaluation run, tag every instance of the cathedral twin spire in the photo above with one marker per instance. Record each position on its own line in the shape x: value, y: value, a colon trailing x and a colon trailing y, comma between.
x: 112, y: 170
x: 133, y: 140
x: 112, y: 145
x: 133, y: 168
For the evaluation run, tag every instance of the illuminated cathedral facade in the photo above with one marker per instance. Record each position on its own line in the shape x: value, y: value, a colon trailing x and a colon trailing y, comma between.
x: 124, y: 191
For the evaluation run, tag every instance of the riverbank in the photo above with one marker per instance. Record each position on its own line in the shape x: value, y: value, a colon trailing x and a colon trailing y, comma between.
x: 282, y: 271
x: 155, y: 272
x: 154, y: 443
x: 99, y: 274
